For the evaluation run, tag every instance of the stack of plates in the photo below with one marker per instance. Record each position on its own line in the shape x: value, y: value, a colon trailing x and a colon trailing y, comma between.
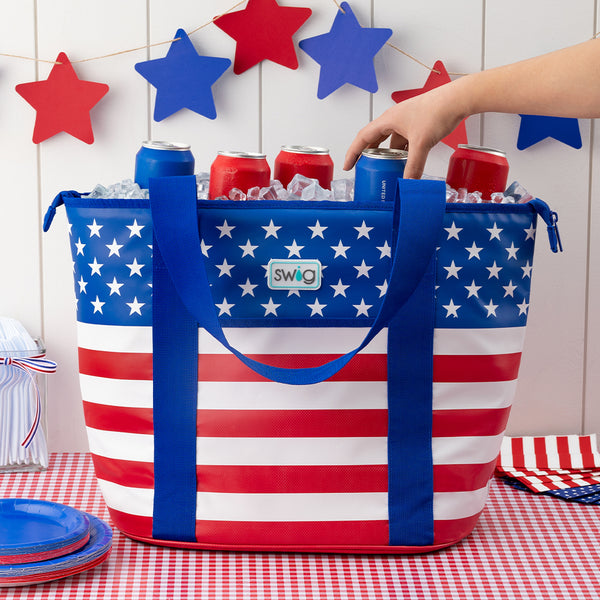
x: 41, y: 541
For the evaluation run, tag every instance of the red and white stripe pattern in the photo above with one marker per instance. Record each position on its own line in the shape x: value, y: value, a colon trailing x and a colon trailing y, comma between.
x: 553, y: 462
x: 297, y: 466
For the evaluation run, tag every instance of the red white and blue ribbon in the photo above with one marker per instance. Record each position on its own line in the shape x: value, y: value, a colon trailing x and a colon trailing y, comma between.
x: 30, y: 366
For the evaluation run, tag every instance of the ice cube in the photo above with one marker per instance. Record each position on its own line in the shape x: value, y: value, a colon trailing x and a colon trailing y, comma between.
x: 518, y: 192
x: 343, y: 190
x: 451, y: 194
x: 99, y: 191
x: 474, y: 198
x: 497, y: 197
x: 253, y: 193
x: 202, y: 185
x: 298, y: 183
x: 236, y: 194
x: 268, y: 193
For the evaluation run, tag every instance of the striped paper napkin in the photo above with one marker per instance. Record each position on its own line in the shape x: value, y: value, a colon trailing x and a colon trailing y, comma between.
x: 565, y: 466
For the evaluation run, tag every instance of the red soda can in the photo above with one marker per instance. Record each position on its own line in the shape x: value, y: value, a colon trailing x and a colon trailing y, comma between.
x: 309, y: 161
x: 478, y: 169
x: 241, y: 170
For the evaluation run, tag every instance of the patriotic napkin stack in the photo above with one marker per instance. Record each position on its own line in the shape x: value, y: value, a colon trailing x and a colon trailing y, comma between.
x: 565, y: 466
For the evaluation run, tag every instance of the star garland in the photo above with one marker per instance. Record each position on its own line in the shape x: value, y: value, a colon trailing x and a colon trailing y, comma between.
x: 263, y: 30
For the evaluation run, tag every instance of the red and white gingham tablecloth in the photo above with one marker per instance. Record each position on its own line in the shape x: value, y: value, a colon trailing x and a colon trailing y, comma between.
x: 525, y: 546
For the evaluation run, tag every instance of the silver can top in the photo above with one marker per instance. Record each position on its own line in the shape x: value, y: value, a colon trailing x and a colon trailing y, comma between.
x: 235, y: 154
x: 484, y: 149
x: 165, y: 145
x: 386, y: 153
x: 305, y: 149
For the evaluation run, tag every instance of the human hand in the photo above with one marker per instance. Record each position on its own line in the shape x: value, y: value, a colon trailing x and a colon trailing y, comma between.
x: 418, y: 124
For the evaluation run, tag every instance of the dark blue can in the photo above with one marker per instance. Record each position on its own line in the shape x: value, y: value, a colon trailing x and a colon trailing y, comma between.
x: 162, y: 159
x: 377, y: 172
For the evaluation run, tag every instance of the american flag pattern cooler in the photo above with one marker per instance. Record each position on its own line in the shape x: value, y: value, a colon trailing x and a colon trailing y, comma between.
x: 300, y: 467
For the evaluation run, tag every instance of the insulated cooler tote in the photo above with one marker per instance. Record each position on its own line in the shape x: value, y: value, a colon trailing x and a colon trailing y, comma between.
x: 299, y: 376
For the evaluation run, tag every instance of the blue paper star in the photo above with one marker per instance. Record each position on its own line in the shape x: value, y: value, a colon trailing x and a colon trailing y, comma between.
x: 183, y: 79
x: 535, y: 128
x: 346, y: 53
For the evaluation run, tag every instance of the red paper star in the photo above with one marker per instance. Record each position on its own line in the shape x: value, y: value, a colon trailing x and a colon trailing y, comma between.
x: 63, y: 102
x: 459, y: 135
x: 263, y: 31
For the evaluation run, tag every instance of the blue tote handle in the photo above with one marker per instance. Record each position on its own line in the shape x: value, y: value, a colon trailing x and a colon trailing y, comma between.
x: 418, y: 211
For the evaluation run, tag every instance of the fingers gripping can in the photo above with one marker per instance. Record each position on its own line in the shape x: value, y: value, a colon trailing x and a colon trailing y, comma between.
x: 162, y: 159
x: 242, y: 170
x: 309, y: 161
x: 478, y: 169
x: 377, y: 172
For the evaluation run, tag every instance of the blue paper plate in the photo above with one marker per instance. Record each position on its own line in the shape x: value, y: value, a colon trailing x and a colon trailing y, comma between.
x: 93, y: 553
x: 29, y: 528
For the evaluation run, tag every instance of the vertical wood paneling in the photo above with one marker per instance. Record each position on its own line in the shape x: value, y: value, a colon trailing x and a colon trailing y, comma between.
x: 591, y: 414
x: 429, y: 31
x: 266, y: 107
x: 84, y: 30
x: 550, y: 391
x: 19, y: 221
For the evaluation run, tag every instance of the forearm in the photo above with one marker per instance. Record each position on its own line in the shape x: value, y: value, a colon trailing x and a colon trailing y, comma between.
x: 564, y: 83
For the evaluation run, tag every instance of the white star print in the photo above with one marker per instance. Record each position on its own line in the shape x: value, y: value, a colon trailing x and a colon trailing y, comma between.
x: 247, y: 288
x: 135, y: 306
x: 451, y: 309
x: 95, y: 229
x: 512, y: 251
x: 530, y: 233
x: 362, y: 308
x: 491, y: 308
x: 316, y: 308
x: 270, y: 307
x: 317, y: 230
x: 204, y: 248
x: 114, y: 248
x: 339, y: 288
x: 82, y: 285
x: 271, y: 229
x: 248, y: 249
x: 452, y: 270
x: 527, y: 270
x: 224, y: 268
x: 293, y: 293
x: 453, y: 231
x: 494, y: 270
x: 473, y: 289
x: 79, y: 246
x: 225, y: 229
x: 474, y: 251
x: 225, y: 307
x: 495, y: 232
x: 523, y: 307
x: 95, y: 266
x: 135, y: 229
x: 294, y: 250
x: 509, y: 289
x: 385, y: 250
x: 382, y: 288
x: 363, y: 231
x: 340, y: 250
x: 98, y: 305
x: 363, y: 270
x: 135, y: 268
x: 115, y: 287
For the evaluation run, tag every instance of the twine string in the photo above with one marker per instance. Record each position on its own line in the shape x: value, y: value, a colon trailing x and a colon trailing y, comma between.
x: 146, y: 46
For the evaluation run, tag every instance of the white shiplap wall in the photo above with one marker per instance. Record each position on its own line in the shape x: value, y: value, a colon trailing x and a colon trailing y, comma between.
x: 269, y: 106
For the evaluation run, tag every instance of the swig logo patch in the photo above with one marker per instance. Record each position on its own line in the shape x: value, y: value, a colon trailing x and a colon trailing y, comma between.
x: 294, y: 274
